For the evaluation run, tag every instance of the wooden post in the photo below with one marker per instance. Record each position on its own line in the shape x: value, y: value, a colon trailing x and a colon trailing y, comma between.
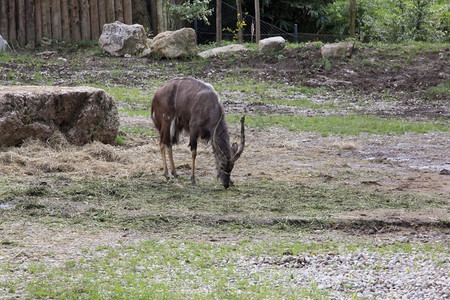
x: 12, y: 23
x: 258, y: 22
x: 95, y: 24
x: 352, y: 30
x: 21, y: 24
x: 118, y: 10
x: 101, y: 14
x: 30, y: 23
x: 38, y: 18
x: 85, y: 21
x: 56, y: 20
x: 4, y: 19
x: 218, y: 22
x: 65, y: 20
x: 240, y: 34
x: 46, y: 19
x: 75, y: 29
x: 154, y: 17
x: 110, y: 18
x: 127, y: 12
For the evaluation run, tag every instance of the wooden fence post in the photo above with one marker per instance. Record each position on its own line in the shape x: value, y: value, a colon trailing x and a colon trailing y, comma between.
x: 65, y: 20
x: 110, y: 11
x: 101, y: 14
x: 127, y: 12
x: 21, y: 34
x: 4, y: 20
x: 118, y: 10
x: 95, y: 25
x: 85, y: 21
x: 12, y: 23
x: 38, y: 18
x: 46, y: 17
x: 56, y: 20
x: 30, y: 23
x: 75, y: 23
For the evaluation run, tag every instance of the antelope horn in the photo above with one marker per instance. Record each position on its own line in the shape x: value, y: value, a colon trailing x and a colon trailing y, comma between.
x: 220, y: 155
x: 241, y: 146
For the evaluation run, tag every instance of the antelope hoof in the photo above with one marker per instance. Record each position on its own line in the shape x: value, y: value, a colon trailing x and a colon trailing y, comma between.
x: 175, y: 175
x: 193, y: 182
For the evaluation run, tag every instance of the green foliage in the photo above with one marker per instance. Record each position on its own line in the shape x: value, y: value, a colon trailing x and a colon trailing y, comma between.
x: 189, y: 10
x: 424, y: 20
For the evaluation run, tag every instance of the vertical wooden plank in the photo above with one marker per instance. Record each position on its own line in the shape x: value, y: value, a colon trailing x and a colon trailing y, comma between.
x: 30, y: 23
x: 95, y: 26
x: 85, y: 21
x: 65, y: 21
x: 218, y: 22
x: 127, y: 12
x: 110, y: 17
x: 101, y: 13
x: 75, y: 22
x: 21, y: 25
x: 118, y: 10
x: 12, y: 23
x: 56, y: 20
x: 46, y: 19
x: 4, y: 19
x: 38, y: 18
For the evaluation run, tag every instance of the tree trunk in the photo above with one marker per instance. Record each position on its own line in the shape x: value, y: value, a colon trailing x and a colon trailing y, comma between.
x: 352, y: 29
x: 240, y: 29
x: 218, y: 22
x: 257, y: 21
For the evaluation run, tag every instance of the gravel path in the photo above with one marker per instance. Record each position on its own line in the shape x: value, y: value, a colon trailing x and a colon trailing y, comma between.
x: 361, y: 274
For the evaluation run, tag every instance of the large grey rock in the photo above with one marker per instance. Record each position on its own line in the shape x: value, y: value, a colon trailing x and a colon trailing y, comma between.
x: 119, y: 39
x: 222, y: 50
x: 4, y: 45
x: 81, y: 114
x: 271, y: 45
x: 338, y: 50
x: 172, y: 44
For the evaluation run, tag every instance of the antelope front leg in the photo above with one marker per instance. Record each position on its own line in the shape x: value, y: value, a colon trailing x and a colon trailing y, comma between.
x: 194, y: 155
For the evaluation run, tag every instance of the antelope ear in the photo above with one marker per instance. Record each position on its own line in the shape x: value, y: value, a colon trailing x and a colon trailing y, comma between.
x: 234, y: 148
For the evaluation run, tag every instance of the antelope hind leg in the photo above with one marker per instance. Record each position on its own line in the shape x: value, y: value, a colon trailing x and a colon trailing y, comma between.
x: 172, y: 163
x: 162, y: 148
x: 194, y: 155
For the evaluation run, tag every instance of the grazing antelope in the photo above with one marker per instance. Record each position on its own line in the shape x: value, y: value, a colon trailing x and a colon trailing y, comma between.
x: 194, y: 106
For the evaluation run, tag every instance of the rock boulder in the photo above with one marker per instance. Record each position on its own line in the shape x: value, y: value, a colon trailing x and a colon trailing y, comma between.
x: 172, y: 44
x: 337, y: 50
x: 271, y: 45
x: 222, y: 50
x: 81, y: 114
x: 119, y: 39
x: 4, y: 45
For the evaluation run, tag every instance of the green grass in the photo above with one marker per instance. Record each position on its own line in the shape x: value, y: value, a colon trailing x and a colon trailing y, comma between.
x: 174, y: 269
x: 134, y: 96
x: 344, y: 125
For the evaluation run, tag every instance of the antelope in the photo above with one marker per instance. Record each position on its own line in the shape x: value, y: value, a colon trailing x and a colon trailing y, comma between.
x: 193, y: 106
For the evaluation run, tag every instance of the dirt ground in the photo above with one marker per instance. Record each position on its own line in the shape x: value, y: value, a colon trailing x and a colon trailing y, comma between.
x: 416, y: 163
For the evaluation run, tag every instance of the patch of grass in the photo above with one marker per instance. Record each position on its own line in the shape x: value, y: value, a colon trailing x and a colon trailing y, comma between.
x: 139, y: 130
x: 130, y: 95
x: 140, y: 112
x: 441, y: 90
x: 344, y: 125
x: 174, y: 269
